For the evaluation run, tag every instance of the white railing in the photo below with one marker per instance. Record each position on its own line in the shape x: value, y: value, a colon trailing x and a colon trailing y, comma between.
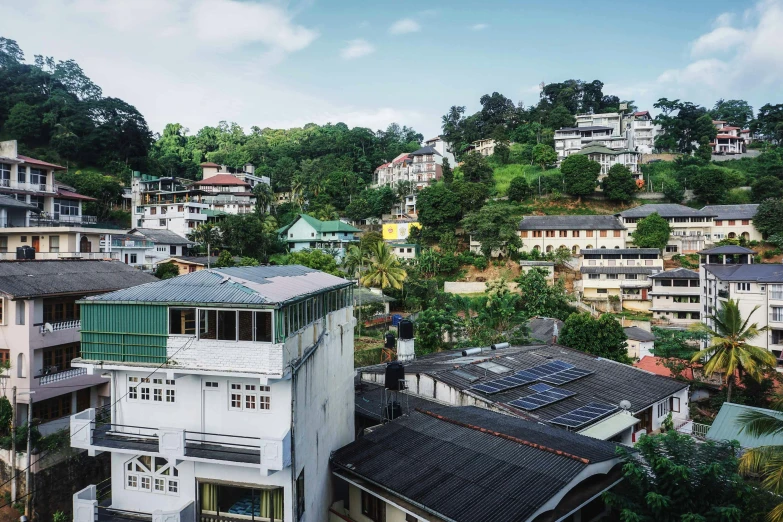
x: 62, y: 325
x: 10, y: 256
x: 61, y: 376
x: 694, y: 429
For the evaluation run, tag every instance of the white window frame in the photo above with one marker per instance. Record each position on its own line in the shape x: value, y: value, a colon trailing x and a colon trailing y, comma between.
x: 156, y: 390
x: 136, y: 479
x: 247, y: 394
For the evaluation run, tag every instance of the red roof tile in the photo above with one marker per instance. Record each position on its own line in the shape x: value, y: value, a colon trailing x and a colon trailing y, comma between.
x: 641, y: 113
x: 67, y: 194
x: 401, y: 157
x: 209, y: 164
x: 222, y: 179
x: 34, y: 161
x: 653, y: 364
x: 726, y: 136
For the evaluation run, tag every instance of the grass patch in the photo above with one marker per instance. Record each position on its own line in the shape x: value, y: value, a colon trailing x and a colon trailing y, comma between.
x: 504, y: 174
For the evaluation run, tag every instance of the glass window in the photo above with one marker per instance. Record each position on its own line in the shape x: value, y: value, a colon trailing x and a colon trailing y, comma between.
x: 21, y: 174
x: 182, y: 321
x: 245, y: 326
x: 227, y: 325
x: 207, y: 320
x: 54, y: 243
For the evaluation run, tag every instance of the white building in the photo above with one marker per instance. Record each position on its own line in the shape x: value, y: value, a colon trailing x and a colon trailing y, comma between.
x: 733, y: 222
x: 230, y: 389
x: 634, y: 133
x: 484, y: 147
x: 728, y: 140
x: 167, y: 204
x: 640, y: 342
x: 166, y: 244
x: 443, y: 148
x: 622, y: 274
x: 576, y: 233
x: 690, y: 228
x: 642, y: 132
x: 676, y: 297
x: 39, y: 332
x: 608, y: 158
x: 728, y: 272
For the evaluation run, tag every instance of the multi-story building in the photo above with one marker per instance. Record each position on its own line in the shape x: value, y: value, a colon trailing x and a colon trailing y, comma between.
x: 621, y: 274
x: 39, y: 334
x: 576, y: 233
x: 484, y: 147
x: 230, y: 388
x: 571, y: 139
x: 607, y: 158
x: 728, y: 140
x: 443, y: 148
x: 227, y: 191
x: 642, y: 131
x: 690, y: 228
x: 676, y: 297
x: 165, y: 244
x: 307, y: 233
x: 246, y: 173
x: 733, y: 222
x: 632, y: 133
x: 167, y: 204
x: 728, y: 272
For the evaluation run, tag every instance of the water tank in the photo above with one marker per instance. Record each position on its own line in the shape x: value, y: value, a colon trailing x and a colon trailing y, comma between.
x: 395, y: 372
x: 390, y: 341
x: 20, y: 252
x: 393, y: 410
x: 29, y: 252
x: 406, y: 329
x: 471, y: 351
x: 396, y: 318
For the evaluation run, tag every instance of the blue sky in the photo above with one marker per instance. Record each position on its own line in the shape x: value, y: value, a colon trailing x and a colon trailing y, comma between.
x: 366, y: 63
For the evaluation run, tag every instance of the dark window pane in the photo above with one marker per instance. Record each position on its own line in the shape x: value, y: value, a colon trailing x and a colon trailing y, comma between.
x: 245, y: 326
x: 264, y: 327
x: 227, y: 325
x: 208, y: 324
x: 182, y: 321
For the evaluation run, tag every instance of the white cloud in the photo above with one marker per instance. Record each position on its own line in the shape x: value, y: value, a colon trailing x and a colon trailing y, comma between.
x: 724, y: 20
x: 356, y: 49
x: 404, y: 26
x: 479, y: 27
x: 718, y: 41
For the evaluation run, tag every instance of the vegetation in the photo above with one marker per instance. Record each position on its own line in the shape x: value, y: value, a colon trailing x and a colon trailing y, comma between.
x: 384, y: 270
x: 315, y: 259
x: 765, y: 461
x: 166, y: 270
x: 580, y: 174
x: 652, y: 232
x: 619, y: 185
x: 495, y: 227
x: 541, y: 299
x: 602, y: 337
x: 767, y: 219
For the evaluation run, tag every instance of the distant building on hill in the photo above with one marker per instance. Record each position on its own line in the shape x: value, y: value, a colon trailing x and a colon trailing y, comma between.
x: 309, y: 233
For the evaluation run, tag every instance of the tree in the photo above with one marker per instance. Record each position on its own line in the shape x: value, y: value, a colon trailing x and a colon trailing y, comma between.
x: 709, y: 184
x: 475, y: 169
x: 207, y: 235
x: 652, y: 232
x: 106, y: 190
x: 439, y: 209
x: 737, y: 113
x: 447, y: 172
x: 264, y: 197
x: 244, y: 235
x: 519, y: 189
x: 384, y: 270
x: 766, y: 187
x: 580, y: 174
x: 472, y: 196
x: 247, y: 261
x: 355, y: 260
x: 602, y: 337
x: 704, y: 152
x: 23, y: 122
x: 544, y: 155
x: 315, y: 259
x: 539, y: 298
x: 619, y: 185
x: 683, y: 129
x: 559, y: 118
x: 666, y: 476
x: 765, y: 461
x: 769, y: 122
x: 495, y: 227
x: 166, y: 270
x: 767, y: 219
x: 673, y: 191
x: 679, y: 344
x: 729, y: 350
x: 224, y: 260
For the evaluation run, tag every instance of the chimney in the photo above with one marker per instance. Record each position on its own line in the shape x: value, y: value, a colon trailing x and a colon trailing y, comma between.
x: 250, y: 168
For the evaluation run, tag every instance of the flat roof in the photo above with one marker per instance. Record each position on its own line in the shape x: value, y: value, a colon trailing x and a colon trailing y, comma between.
x: 759, y: 273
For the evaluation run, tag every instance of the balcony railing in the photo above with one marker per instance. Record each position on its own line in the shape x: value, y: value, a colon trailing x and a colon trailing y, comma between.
x: 633, y: 297
x: 48, y: 376
x: 10, y: 256
x: 94, y: 504
x: 34, y: 187
x: 62, y: 325
x: 694, y: 429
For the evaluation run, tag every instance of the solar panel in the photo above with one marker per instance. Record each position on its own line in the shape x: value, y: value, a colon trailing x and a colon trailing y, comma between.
x: 565, y: 376
x: 506, y: 383
x: 540, y: 387
x: 583, y: 415
x: 537, y: 400
x: 549, y: 368
x: 485, y: 387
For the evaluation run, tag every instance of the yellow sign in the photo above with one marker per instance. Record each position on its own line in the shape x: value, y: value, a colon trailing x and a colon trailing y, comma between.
x: 398, y: 231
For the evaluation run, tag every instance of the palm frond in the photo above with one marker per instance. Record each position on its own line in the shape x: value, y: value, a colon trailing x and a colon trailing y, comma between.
x: 757, y: 423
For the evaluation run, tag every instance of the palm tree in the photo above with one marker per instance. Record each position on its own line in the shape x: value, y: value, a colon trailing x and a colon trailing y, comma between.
x: 205, y: 235
x: 384, y: 270
x: 729, y: 350
x: 354, y: 261
x: 766, y: 461
x: 264, y: 197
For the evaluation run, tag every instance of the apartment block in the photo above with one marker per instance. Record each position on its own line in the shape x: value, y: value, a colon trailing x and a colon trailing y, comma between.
x: 622, y: 274
x: 690, y: 228
x: 733, y: 222
x: 576, y: 233
x: 676, y: 297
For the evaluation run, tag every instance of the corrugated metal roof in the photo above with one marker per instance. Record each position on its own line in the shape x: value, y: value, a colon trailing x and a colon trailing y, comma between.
x: 9, y: 202
x: 618, y: 270
x: 570, y: 223
x: 165, y: 237
x: 27, y: 279
x: 677, y: 273
x: 761, y: 273
x: 747, y: 211
x: 727, y: 426
x: 446, y: 463
x: 235, y: 285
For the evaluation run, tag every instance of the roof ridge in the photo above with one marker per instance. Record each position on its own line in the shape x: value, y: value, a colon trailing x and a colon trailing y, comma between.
x: 506, y: 437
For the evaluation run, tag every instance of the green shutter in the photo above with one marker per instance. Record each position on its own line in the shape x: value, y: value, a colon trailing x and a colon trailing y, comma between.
x: 124, y: 332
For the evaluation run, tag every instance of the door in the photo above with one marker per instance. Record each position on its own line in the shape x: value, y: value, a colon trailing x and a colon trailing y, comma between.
x: 37, y: 243
x: 82, y: 399
x: 644, y: 294
x: 126, y: 259
x: 212, y: 394
x: 85, y: 245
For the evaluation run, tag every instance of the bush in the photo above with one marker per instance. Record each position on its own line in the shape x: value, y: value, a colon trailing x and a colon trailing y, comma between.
x: 519, y: 189
x: 166, y: 271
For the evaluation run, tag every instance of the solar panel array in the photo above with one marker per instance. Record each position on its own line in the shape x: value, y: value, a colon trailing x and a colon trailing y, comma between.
x: 571, y: 374
x: 544, y: 398
x: 506, y: 383
x: 583, y: 415
x: 555, y: 372
x: 540, y: 387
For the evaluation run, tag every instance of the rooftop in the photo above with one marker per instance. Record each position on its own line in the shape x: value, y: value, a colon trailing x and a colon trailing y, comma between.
x: 468, y: 463
x: 732, y: 211
x: 221, y: 179
x: 606, y: 382
x: 637, y: 334
x: 425, y: 151
x: 68, y: 194
x: 619, y: 270
x: 545, y: 329
x: 620, y: 251
x: 570, y: 223
x: 677, y: 273
x: 30, y: 279
x: 236, y: 285
x: 597, y: 148
x: 655, y: 365
x: 161, y: 236
x: 33, y: 161
x: 9, y: 202
x: 727, y: 426
x: 320, y: 226
x: 727, y: 249
x: 664, y: 210
x: 588, y: 128
x: 760, y: 273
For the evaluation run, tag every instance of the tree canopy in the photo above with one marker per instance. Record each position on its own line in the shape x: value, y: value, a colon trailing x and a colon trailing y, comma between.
x: 619, y: 185
x: 602, y: 337
x: 580, y: 174
x: 652, y: 231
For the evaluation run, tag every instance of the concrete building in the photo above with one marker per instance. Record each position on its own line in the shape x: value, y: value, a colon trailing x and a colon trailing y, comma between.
x: 622, y: 274
x: 229, y: 190
x: 40, y: 322
x: 728, y: 272
x: 733, y: 222
x: 633, y: 133
x: 483, y: 147
x: 728, y: 140
x: 607, y: 158
x: 576, y: 233
x: 643, y: 132
x: 569, y: 140
x: 443, y: 148
x: 640, y: 342
x: 690, y: 228
x: 308, y: 233
x: 167, y: 204
x: 246, y: 173
x: 165, y: 244
x: 676, y: 297
x: 230, y: 389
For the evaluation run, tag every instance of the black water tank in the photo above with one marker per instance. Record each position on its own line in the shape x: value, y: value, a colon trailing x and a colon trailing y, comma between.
x: 395, y: 372
x: 20, y: 252
x: 406, y: 329
x: 390, y: 342
x: 29, y: 252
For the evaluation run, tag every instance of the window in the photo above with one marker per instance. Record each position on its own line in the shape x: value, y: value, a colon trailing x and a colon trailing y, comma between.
x: 58, y: 358
x: 718, y: 222
x: 731, y: 222
x: 550, y: 233
x: 182, y: 321
x: 3, y: 243
x: 162, y: 222
x: 777, y: 314
x: 21, y: 174
x: 663, y: 408
x: 5, y: 356
x: 675, y: 404
x: 5, y: 174
x: 160, y: 390
x: 537, y: 233
x: 523, y: 233
x: 602, y: 233
x: 630, y: 276
x: 564, y: 233
x: 743, y: 287
x: 54, y: 243
x: 594, y: 276
x: 20, y: 312
x: 153, y: 474
x: 589, y: 233
x: 611, y: 276
x: 373, y: 507
x: 133, y: 258
x: 153, y: 211
x: 602, y: 291
x: 68, y: 207
x: 300, y: 494
x: 616, y: 233
x: 249, y: 397
x: 53, y: 408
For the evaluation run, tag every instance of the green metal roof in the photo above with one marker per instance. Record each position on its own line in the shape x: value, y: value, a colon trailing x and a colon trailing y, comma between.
x: 213, y: 213
x: 727, y: 426
x: 320, y: 226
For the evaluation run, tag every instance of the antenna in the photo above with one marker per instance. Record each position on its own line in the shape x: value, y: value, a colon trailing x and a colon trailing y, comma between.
x: 625, y: 404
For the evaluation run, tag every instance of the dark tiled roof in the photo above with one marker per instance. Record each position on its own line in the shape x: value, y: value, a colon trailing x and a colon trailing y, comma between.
x: 425, y: 151
x: 618, y: 270
x: 619, y: 251
x: 369, y: 401
x: 761, y: 273
x: 677, y: 273
x: 27, y: 279
x: 543, y: 328
x: 164, y: 237
x: 443, y: 461
x: 9, y: 202
x: 610, y: 383
x: 732, y: 211
x: 570, y: 223
x: 728, y: 249
x: 665, y: 210
x: 637, y: 334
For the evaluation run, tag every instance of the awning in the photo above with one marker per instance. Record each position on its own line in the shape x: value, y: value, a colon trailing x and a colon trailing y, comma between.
x: 611, y: 426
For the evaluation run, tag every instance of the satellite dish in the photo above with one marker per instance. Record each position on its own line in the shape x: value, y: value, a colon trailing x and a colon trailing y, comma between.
x: 625, y: 404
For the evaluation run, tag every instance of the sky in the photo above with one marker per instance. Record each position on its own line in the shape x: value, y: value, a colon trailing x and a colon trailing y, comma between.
x: 370, y: 63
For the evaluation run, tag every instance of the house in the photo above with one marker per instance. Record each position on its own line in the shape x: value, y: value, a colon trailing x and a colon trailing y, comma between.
x: 690, y: 228
x: 132, y: 249
x: 447, y: 464
x: 643, y: 132
x: 405, y: 250
x: 728, y: 140
x: 167, y: 203
x: 633, y: 133
x: 166, y: 243
x: 676, y: 297
x: 569, y: 140
x: 640, y: 342
x: 227, y: 191
x: 547, y: 267
x: 608, y: 158
x: 307, y: 233
x: 548, y: 233
x: 733, y: 222
x: 547, y: 384
x: 545, y: 330
x: 188, y: 264
x: 484, y: 147
x: 247, y: 173
x: 728, y: 272
x: 230, y: 389
x: 40, y: 321
x: 620, y: 273
x: 443, y: 148
x: 729, y: 426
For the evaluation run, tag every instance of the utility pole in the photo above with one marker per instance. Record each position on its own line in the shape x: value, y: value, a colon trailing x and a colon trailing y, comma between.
x: 13, y: 447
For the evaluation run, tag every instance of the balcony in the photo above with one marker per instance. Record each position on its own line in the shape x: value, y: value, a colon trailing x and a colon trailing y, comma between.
x: 93, y: 431
x: 51, y: 375
x: 776, y: 316
x: 62, y: 325
x: 723, y: 294
x: 94, y: 504
x: 30, y: 187
x: 694, y: 429
x: 633, y: 297
x: 114, y: 256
